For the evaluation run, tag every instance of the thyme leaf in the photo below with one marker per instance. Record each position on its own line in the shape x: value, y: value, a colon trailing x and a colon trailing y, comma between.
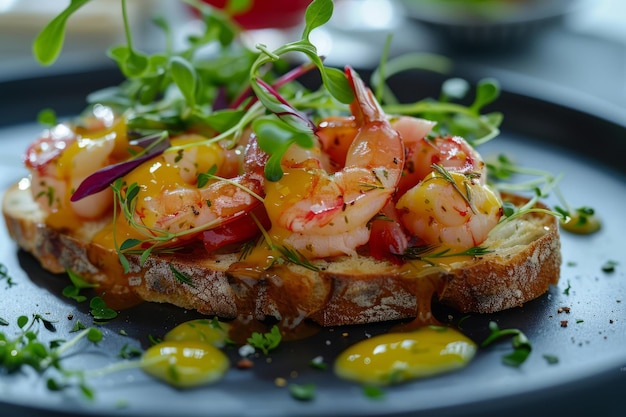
x: 181, y: 277
x: 466, y: 194
x: 426, y: 252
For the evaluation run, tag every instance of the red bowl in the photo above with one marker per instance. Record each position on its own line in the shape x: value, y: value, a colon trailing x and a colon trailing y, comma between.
x: 263, y: 14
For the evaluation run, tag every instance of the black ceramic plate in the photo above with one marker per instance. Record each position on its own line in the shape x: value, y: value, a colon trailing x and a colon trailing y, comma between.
x: 591, y: 368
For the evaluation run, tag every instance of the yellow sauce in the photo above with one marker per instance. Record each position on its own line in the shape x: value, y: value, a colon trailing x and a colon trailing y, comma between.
x: 185, y: 363
x: 582, y: 223
x: 397, y: 357
x: 208, y: 331
x: 294, y: 186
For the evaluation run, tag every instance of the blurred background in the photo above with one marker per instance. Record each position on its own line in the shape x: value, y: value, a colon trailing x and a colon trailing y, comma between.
x: 569, y: 50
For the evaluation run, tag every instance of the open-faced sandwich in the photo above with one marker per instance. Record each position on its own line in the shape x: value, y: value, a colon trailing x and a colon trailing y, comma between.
x: 232, y: 190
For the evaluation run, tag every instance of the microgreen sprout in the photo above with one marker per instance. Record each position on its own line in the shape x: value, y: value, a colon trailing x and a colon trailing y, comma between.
x: 521, y: 344
x: 266, y: 341
x: 502, y: 170
x: 4, y: 275
x: 609, y: 266
x: 302, y: 392
x: 100, y: 311
x: 28, y: 350
x: 78, y: 283
x: 454, y: 118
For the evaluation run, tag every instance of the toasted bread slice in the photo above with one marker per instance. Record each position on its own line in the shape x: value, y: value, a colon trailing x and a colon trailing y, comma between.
x: 524, y: 261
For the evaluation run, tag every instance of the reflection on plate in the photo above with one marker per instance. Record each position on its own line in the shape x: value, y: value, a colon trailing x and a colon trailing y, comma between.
x: 590, y: 348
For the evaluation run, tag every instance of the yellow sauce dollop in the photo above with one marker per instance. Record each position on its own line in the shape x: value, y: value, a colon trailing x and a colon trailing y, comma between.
x: 583, y: 221
x: 397, y: 357
x: 189, y: 355
x: 212, y: 332
x: 185, y: 363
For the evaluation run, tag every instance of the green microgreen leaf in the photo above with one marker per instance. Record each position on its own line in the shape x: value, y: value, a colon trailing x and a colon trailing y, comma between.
x: 373, y: 392
x: 99, y: 310
x: 49, y: 42
x: 129, y: 352
x: 275, y: 137
x: 266, y: 341
x: 78, y: 326
x: 609, y: 266
x: 487, y: 91
x: 4, y: 275
x: 205, y: 177
x: 94, y: 335
x: 184, y: 75
x: 302, y: 392
x: 521, y: 344
x: 317, y: 14
x: 551, y: 359
x: 567, y: 289
x: 78, y: 284
x: 22, y: 321
x: 47, y: 117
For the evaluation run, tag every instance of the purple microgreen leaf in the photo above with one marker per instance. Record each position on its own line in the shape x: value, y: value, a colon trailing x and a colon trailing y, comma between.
x: 221, y: 101
x: 101, y: 179
x: 275, y: 103
x: 282, y: 80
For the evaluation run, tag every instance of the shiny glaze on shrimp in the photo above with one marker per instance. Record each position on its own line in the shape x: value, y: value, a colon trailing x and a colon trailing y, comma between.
x: 173, y: 203
x: 451, y: 152
x: 394, y: 232
x: 63, y: 156
x: 450, y: 209
x: 325, y: 214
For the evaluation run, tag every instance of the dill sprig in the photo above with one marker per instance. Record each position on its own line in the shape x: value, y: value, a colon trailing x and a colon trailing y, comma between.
x: 465, y: 194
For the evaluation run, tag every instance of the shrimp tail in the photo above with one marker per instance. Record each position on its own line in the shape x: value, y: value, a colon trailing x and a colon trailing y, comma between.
x: 365, y: 107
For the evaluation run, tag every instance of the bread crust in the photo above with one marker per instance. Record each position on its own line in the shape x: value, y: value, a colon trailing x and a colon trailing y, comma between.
x: 342, y: 291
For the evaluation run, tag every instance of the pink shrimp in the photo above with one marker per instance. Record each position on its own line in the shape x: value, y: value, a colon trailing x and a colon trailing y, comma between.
x: 325, y: 214
x: 450, y: 209
x: 168, y: 203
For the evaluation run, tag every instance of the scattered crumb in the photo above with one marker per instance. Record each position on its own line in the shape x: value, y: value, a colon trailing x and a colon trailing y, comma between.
x: 293, y: 374
x: 345, y: 334
x: 70, y: 316
x: 563, y: 310
x: 611, y: 321
x: 245, y: 363
x: 268, y: 360
x: 563, y: 323
x: 280, y: 382
x: 328, y: 343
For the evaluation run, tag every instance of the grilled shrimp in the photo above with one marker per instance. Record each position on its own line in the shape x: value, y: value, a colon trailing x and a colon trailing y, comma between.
x: 65, y: 155
x: 451, y: 209
x: 325, y: 214
x: 171, y: 201
x: 451, y: 152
